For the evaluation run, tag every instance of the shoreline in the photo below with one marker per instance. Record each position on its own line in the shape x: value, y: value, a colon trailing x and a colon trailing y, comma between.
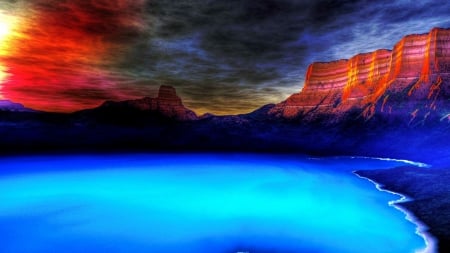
x: 421, y: 227
x: 417, y: 164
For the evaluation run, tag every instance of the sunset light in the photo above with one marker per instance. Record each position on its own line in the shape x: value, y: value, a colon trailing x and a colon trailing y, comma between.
x: 6, y: 29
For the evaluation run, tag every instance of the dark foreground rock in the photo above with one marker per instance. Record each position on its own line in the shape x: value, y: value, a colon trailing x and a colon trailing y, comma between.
x: 430, y: 190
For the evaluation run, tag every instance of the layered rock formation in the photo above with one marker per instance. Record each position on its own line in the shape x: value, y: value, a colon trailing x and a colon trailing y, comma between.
x: 167, y: 103
x: 413, y: 79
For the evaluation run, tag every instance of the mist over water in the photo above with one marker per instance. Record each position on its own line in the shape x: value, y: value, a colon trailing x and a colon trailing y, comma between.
x: 197, y: 203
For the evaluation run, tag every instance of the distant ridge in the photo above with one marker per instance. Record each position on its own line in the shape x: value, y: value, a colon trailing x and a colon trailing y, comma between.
x: 7, y: 105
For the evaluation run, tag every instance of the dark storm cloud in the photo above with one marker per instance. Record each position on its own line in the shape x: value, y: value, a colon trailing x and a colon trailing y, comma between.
x: 382, y: 24
x: 241, y: 40
x: 238, y: 48
x: 236, y: 55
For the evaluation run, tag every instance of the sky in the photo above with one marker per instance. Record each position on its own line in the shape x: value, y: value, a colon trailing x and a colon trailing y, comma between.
x: 222, y: 56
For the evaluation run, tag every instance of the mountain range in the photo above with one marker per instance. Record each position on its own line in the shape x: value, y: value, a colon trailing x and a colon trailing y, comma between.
x: 386, y: 102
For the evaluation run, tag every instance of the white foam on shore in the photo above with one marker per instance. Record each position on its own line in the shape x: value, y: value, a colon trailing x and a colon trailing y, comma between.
x: 421, y: 228
x: 417, y: 164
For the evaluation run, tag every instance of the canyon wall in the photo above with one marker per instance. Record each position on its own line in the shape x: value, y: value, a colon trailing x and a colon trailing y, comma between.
x: 412, y: 79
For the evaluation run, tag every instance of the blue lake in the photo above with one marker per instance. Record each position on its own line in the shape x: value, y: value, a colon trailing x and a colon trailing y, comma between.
x: 197, y: 203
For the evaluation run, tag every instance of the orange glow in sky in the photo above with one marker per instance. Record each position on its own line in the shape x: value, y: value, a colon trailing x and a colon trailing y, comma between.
x: 7, y: 30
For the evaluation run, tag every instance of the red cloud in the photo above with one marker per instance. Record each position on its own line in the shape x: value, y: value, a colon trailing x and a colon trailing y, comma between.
x: 59, y: 59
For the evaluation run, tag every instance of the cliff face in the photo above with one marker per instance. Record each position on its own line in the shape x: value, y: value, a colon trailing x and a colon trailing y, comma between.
x: 167, y: 104
x: 413, y: 79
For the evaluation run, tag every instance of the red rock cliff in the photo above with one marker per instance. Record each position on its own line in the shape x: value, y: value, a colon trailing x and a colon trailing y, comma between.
x: 385, y: 81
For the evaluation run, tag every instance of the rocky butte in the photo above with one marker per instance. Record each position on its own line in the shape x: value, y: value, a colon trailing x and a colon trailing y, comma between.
x: 167, y: 104
x: 410, y: 81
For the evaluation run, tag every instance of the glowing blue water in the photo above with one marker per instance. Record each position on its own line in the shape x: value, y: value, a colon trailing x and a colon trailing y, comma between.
x: 197, y: 203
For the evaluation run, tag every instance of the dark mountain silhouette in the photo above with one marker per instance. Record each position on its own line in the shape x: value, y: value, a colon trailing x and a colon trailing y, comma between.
x: 7, y: 105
